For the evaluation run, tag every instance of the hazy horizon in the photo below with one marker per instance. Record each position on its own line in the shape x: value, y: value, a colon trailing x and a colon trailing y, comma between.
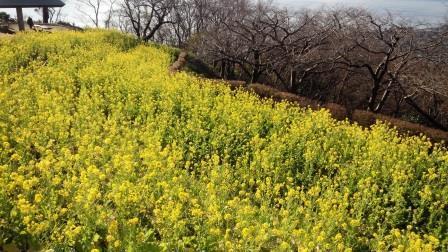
x: 432, y: 11
x: 429, y: 10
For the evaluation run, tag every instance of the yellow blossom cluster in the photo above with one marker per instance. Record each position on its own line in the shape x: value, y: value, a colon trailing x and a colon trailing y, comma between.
x: 101, y: 149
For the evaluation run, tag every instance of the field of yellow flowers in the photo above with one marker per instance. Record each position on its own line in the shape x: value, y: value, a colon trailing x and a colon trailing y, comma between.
x: 102, y: 150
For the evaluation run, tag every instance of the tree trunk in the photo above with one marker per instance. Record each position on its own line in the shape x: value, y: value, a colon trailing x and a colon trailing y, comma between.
x: 230, y: 70
x: 373, y: 95
x: 384, y: 97
x: 256, y: 70
x: 292, y: 81
x: 223, y: 69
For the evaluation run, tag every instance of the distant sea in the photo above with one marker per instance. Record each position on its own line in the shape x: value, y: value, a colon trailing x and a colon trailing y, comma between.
x: 433, y: 11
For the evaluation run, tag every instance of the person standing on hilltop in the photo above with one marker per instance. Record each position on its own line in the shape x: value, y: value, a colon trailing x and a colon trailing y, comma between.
x: 30, y: 22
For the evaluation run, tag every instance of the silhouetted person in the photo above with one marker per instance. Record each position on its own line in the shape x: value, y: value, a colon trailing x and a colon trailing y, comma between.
x: 30, y: 22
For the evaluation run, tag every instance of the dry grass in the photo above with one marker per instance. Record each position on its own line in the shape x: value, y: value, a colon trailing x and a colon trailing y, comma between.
x: 339, y: 112
x: 235, y: 84
x: 366, y: 119
x: 262, y: 90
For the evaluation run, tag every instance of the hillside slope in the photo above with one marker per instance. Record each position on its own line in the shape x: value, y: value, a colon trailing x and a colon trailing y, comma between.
x: 101, y: 148
x: 191, y: 64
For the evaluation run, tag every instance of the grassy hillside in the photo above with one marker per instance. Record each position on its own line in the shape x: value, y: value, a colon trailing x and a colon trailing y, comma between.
x: 102, y: 149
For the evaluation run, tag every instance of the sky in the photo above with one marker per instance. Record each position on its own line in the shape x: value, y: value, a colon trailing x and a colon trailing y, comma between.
x: 417, y: 10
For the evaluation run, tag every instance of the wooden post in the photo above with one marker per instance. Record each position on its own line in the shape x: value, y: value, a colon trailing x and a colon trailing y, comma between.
x: 45, y: 15
x: 20, y: 19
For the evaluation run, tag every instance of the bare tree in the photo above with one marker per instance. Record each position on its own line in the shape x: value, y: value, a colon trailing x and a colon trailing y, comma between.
x: 425, y: 87
x: 259, y: 41
x: 376, y: 48
x: 390, y: 55
x: 239, y: 39
x: 110, y: 12
x: 91, y: 9
x: 183, y: 17
x: 299, y: 40
x: 146, y: 17
x: 430, y: 103
x: 55, y: 14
